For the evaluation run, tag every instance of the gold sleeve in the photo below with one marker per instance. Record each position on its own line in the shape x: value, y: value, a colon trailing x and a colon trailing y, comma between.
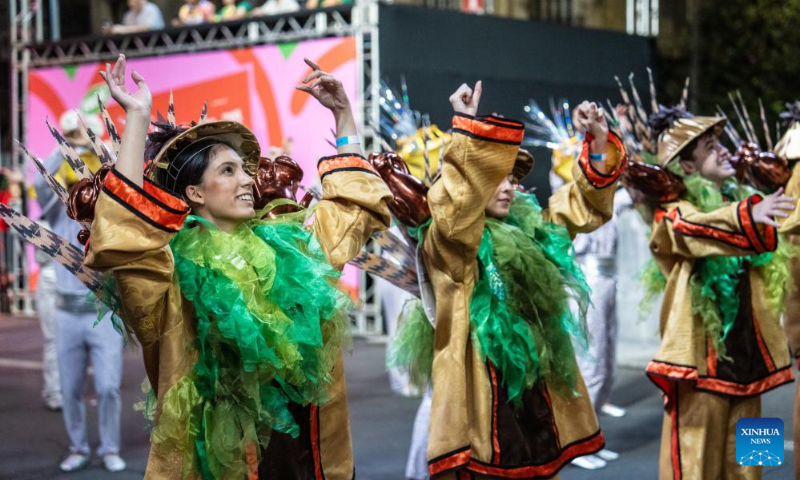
x: 681, y: 229
x: 480, y: 155
x: 130, y: 236
x: 587, y: 202
x: 791, y: 225
x: 353, y: 207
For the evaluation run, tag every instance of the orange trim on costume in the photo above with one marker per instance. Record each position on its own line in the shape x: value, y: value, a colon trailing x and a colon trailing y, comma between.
x: 163, y: 196
x: 501, y: 121
x: 251, y: 454
x: 142, y: 202
x: 597, y: 179
x: 659, y: 215
x: 675, y: 372
x: 711, y: 358
x: 495, y: 440
x: 763, y: 237
x: 696, y: 230
x: 490, y: 129
x: 327, y: 165
x: 546, y: 395
x: 762, y: 347
x: 755, y: 388
x: 769, y: 234
x: 749, y: 227
x: 452, y: 461
x: 314, y: 425
x: 583, y: 448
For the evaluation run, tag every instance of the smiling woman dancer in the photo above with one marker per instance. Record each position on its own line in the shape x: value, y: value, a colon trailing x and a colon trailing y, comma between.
x: 243, y: 351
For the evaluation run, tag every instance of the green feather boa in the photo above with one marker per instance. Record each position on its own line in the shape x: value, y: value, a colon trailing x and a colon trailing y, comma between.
x: 270, y: 324
x: 411, y: 348
x: 519, y: 309
x: 715, y: 280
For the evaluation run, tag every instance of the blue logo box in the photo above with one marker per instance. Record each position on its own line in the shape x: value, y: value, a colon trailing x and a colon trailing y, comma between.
x: 759, y: 442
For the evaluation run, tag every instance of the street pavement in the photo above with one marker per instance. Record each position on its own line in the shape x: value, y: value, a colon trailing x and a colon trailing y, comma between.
x: 33, y: 440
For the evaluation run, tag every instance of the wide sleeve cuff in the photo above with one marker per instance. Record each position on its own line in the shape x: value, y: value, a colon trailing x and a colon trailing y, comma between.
x: 762, y: 238
x: 153, y: 204
x: 347, y: 162
x: 693, y: 229
x: 615, y: 155
x: 491, y: 128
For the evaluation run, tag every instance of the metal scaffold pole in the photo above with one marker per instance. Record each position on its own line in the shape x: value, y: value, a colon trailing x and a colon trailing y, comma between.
x: 26, y: 23
x: 369, y: 317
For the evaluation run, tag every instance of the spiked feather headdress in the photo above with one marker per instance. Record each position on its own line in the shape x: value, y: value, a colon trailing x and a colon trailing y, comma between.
x: 168, y: 140
x: 660, y: 136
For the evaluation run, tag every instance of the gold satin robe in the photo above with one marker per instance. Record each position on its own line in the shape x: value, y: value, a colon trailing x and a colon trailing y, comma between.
x: 130, y: 237
x: 473, y: 430
x: 706, y: 395
x: 791, y: 317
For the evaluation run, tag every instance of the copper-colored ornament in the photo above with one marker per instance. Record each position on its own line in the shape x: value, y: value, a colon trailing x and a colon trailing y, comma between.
x: 410, y: 202
x: 764, y: 171
x: 653, y: 182
x: 82, y: 198
x: 278, y: 179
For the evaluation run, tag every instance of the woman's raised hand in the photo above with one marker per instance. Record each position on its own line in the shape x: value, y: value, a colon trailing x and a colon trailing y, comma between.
x: 137, y: 106
x: 140, y: 101
x: 466, y: 100
x: 327, y: 89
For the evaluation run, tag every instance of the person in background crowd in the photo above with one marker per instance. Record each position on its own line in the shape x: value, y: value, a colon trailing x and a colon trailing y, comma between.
x: 10, y: 196
x: 45, y: 307
x: 11, y: 183
x: 312, y: 4
x: 195, y: 12
x: 596, y: 252
x: 232, y: 11
x: 141, y: 17
x: 277, y: 7
x: 77, y: 338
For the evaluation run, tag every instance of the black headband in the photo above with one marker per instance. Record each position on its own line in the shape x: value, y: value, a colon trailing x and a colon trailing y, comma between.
x: 186, y: 155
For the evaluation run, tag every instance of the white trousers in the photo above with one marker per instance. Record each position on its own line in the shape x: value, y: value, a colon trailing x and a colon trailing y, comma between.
x: 46, y: 306
x: 598, y: 364
x: 417, y: 465
x: 79, y: 341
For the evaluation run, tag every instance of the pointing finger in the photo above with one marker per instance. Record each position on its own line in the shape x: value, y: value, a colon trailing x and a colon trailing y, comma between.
x: 476, y: 95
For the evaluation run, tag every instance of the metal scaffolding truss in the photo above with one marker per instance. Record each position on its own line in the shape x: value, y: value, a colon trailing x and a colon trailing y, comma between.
x: 369, y: 317
x: 29, y: 51
x: 215, y: 36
